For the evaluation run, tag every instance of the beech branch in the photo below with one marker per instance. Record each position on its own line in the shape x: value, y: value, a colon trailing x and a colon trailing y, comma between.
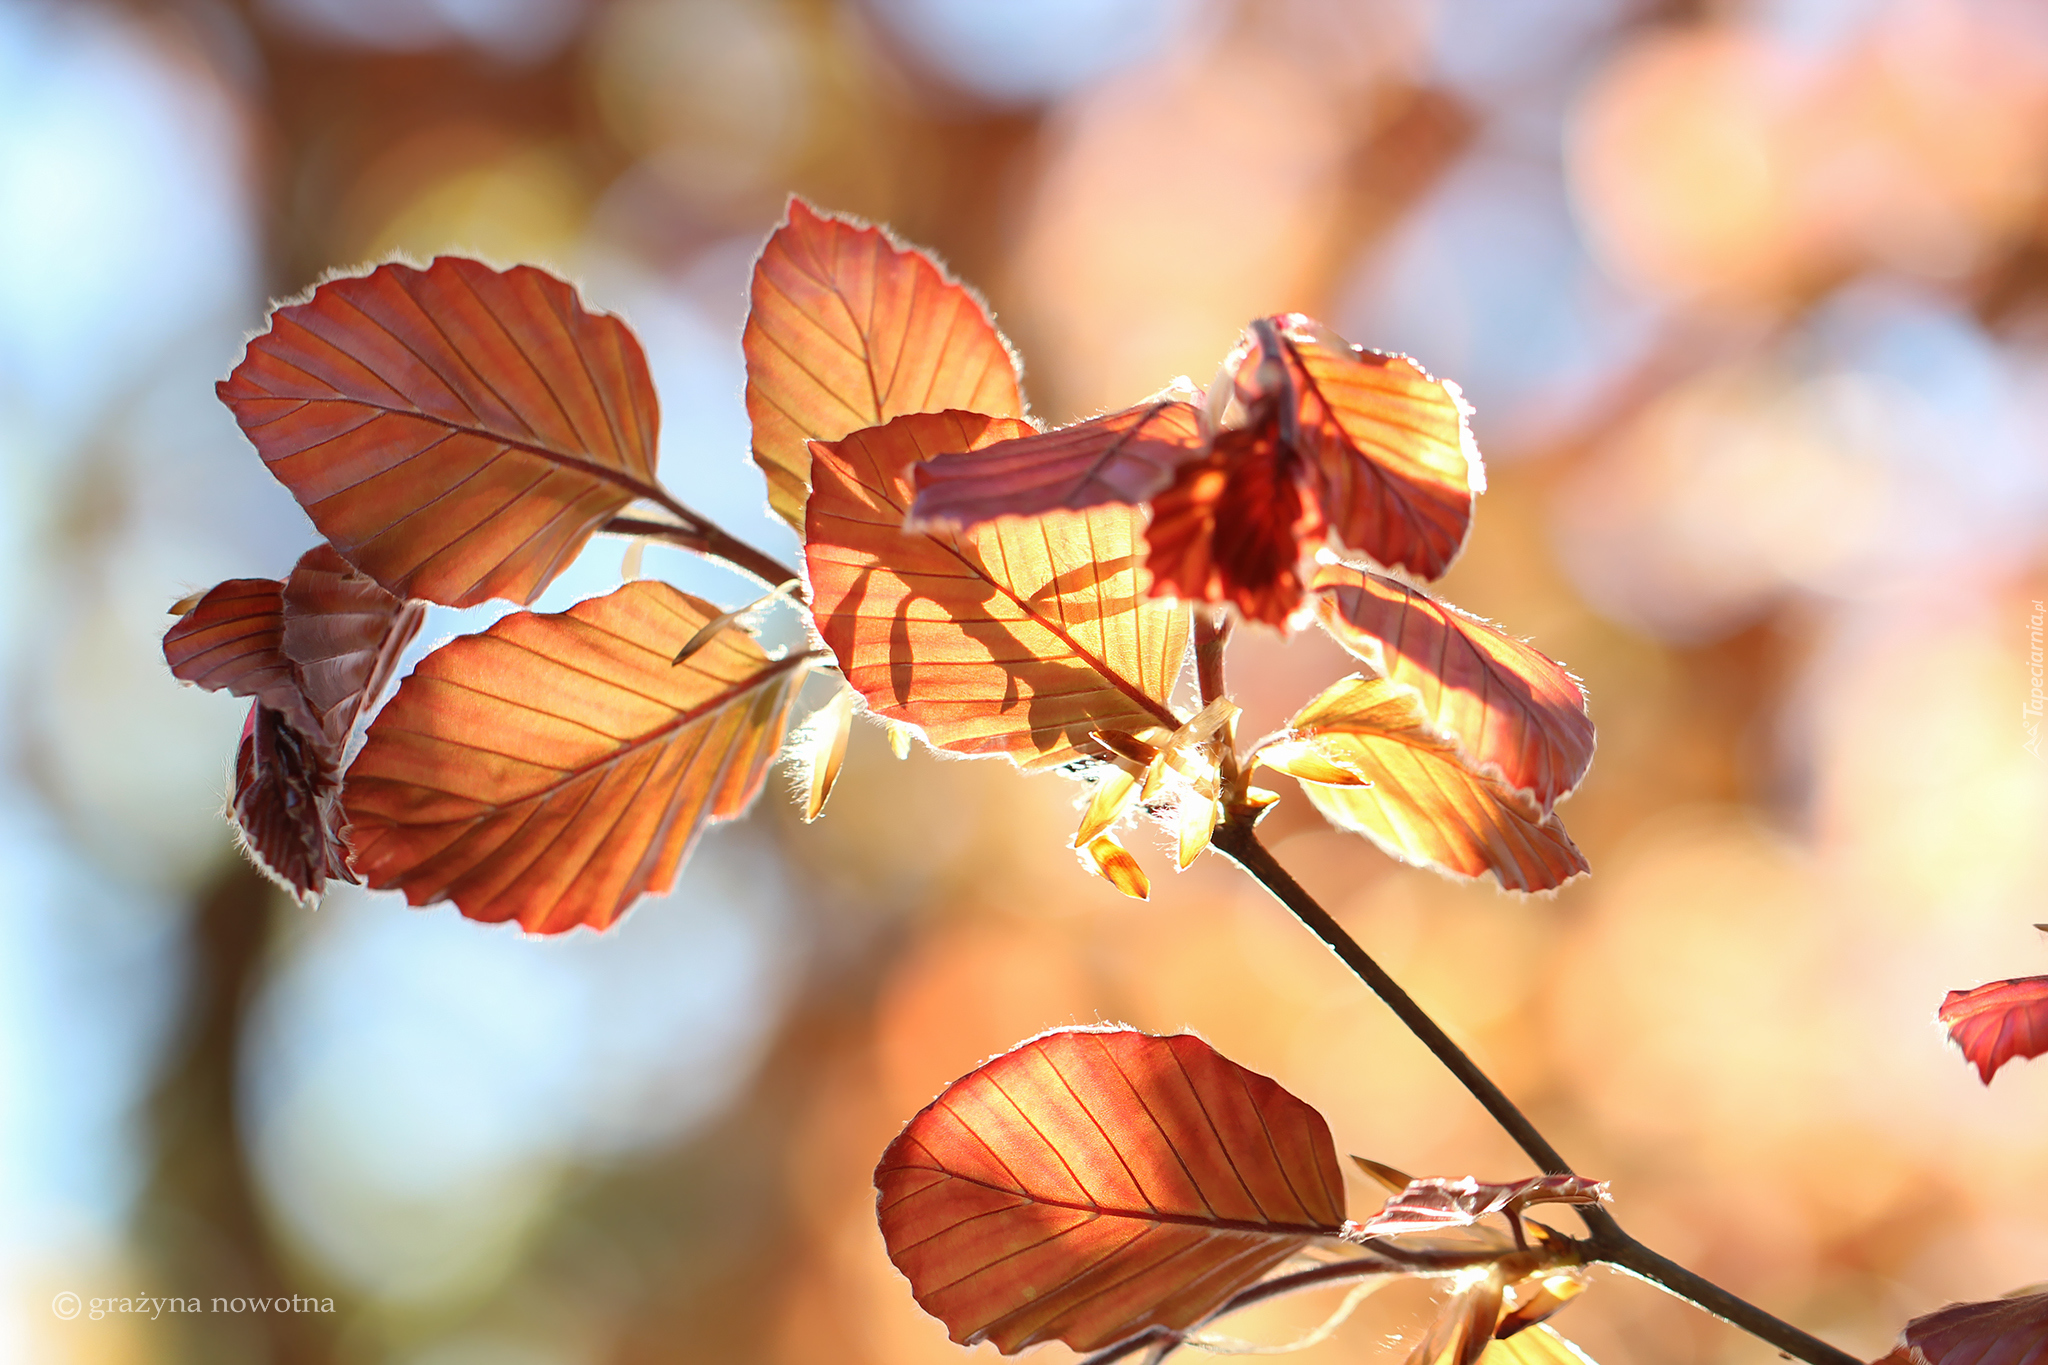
x: 1607, y: 1241
x: 696, y: 532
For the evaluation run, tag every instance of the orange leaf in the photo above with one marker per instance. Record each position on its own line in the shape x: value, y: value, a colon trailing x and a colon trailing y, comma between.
x: 1999, y: 1022
x: 1235, y: 526
x: 1016, y: 638
x: 1125, y: 457
x: 287, y: 804
x: 457, y: 432
x: 343, y: 635
x: 555, y: 768
x: 2001, y: 1332
x: 1112, y: 862
x: 232, y: 641
x: 824, y: 750
x: 1090, y: 1185
x: 1411, y: 793
x: 1514, y: 713
x: 848, y: 329
x: 1395, y: 468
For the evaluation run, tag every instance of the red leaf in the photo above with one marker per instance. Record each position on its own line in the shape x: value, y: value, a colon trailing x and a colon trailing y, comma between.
x: 1015, y: 638
x: 1394, y: 466
x: 314, y: 651
x: 1236, y: 526
x: 1434, y: 1204
x: 1126, y: 457
x: 1515, y: 713
x: 848, y: 329
x: 555, y: 768
x: 1090, y: 1185
x: 1999, y: 1022
x: 456, y: 432
x: 2001, y: 1332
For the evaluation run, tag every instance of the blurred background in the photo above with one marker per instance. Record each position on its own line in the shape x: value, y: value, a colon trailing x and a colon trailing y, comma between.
x: 1752, y: 303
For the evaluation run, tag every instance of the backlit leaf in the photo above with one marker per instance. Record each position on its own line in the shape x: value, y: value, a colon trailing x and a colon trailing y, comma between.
x: 1125, y: 457
x: 1114, y: 792
x: 1409, y: 791
x: 1536, y: 1346
x: 848, y: 329
x: 2001, y: 1332
x: 824, y: 750
x: 1395, y: 468
x: 1016, y: 637
x: 1236, y: 526
x: 344, y: 635
x: 555, y: 768
x: 456, y: 432
x: 1112, y: 862
x: 1090, y: 1185
x: 1513, y: 712
x: 1999, y: 1022
x: 1434, y: 1204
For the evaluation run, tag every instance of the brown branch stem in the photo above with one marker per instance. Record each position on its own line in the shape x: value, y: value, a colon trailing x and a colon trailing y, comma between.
x: 1608, y: 1242
x: 705, y: 537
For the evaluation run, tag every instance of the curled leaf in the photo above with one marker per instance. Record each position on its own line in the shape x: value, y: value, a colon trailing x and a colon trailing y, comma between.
x: 1998, y: 1022
x: 555, y: 768
x: 824, y: 750
x: 1015, y: 638
x: 1092, y: 1185
x: 1513, y: 712
x: 1114, y: 792
x: 1124, y: 457
x: 287, y: 804
x: 1112, y: 862
x: 1236, y: 526
x: 1370, y: 761
x: 848, y: 329
x: 456, y: 432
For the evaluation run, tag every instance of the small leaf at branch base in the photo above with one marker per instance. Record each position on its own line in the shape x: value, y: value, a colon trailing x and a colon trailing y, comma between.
x: 1089, y: 1185
x: 2011, y: 1331
x: 899, y: 740
x: 1126, y: 457
x: 555, y: 768
x: 1114, y: 792
x: 1016, y: 638
x: 287, y: 805
x: 1434, y: 1204
x: 1411, y: 793
x: 1536, y: 1346
x: 456, y: 432
x: 1194, y: 825
x: 1112, y: 862
x: 1395, y: 1181
x: 823, y: 750
x: 1514, y: 713
x: 1999, y: 1022
x: 848, y: 329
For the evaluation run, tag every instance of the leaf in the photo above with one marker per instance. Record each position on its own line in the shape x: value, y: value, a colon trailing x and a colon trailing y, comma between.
x: 1092, y: 1184
x: 1536, y: 1346
x: 555, y: 768
x: 1998, y: 1022
x: 1235, y: 526
x: 1514, y: 713
x: 314, y: 651
x: 825, y: 750
x: 848, y: 329
x: 1114, y: 792
x: 1434, y: 1204
x: 1410, y: 793
x: 1125, y: 457
x: 1015, y: 638
x: 1112, y: 862
x: 1394, y: 465
x: 2010, y: 1331
x: 456, y: 432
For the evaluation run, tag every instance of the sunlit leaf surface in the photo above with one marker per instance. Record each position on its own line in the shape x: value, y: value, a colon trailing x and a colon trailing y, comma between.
x: 555, y: 768
x: 1515, y: 713
x: 2001, y: 1332
x: 1092, y: 1184
x: 456, y: 432
x: 849, y: 329
x: 1016, y: 638
x: 1999, y: 1022
x: 1368, y: 758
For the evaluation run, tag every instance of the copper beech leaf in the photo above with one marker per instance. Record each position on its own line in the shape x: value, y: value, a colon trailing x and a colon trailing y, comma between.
x: 1016, y: 638
x: 1236, y: 526
x: 456, y: 432
x: 1999, y: 1022
x: 1092, y: 1184
x: 2011, y: 1331
x: 555, y: 768
x: 849, y: 328
x: 1515, y: 713
x: 1367, y: 757
x: 1435, y: 1203
x: 1124, y: 457
x: 313, y: 651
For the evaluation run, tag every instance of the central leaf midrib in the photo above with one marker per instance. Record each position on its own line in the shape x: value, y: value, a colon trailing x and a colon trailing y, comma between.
x: 1151, y: 1215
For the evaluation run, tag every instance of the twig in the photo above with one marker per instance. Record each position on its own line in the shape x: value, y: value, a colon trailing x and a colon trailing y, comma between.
x: 1608, y: 1242
x: 705, y: 537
